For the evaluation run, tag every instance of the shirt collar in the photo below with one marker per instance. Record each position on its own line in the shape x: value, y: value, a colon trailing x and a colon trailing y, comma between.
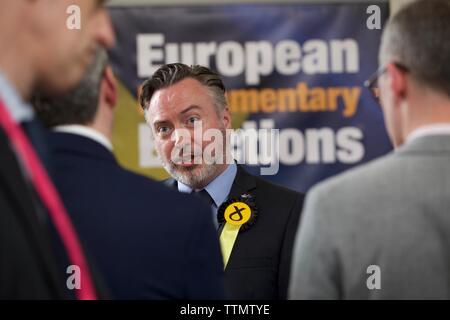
x: 429, y: 130
x: 19, y: 110
x: 85, y: 132
x: 219, y: 188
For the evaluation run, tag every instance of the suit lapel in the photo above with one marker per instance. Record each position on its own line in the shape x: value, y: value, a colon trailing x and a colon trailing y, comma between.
x: 9, y: 171
x: 26, y: 212
x: 75, y: 144
x: 243, y: 183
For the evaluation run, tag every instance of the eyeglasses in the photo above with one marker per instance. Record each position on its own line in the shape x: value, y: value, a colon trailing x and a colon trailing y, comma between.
x: 372, y: 82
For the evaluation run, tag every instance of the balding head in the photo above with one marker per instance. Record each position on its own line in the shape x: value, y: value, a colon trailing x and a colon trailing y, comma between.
x: 417, y: 37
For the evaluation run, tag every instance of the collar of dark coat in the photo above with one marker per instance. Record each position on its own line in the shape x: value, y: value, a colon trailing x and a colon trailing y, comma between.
x: 243, y: 183
x: 78, y: 144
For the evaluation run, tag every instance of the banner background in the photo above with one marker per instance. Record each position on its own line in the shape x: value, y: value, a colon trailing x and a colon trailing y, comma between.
x: 315, y: 138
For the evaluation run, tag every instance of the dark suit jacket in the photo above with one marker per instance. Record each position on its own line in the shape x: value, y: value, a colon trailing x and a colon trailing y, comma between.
x: 149, y: 242
x: 259, y: 264
x: 28, y: 269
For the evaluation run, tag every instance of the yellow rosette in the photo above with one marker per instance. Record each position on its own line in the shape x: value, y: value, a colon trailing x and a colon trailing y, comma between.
x: 236, y: 215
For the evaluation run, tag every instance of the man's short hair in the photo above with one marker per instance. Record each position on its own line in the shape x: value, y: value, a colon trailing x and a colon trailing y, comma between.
x: 170, y: 74
x: 79, y: 106
x: 417, y: 37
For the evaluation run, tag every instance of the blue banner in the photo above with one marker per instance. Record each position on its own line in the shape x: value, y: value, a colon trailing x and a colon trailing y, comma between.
x: 299, y: 68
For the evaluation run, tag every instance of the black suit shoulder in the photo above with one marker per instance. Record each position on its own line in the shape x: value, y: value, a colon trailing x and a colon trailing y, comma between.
x: 187, y: 210
x: 277, y: 192
x: 149, y: 242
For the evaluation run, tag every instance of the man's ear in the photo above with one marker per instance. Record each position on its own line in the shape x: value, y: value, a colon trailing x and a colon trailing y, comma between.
x: 226, y: 118
x: 398, y: 81
x: 109, y: 86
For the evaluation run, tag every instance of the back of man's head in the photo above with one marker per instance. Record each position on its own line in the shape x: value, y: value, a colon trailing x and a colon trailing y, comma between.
x: 80, y: 105
x: 417, y: 37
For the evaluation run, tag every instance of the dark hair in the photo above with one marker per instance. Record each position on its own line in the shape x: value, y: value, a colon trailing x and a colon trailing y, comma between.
x: 172, y: 73
x: 79, y: 106
x: 418, y: 38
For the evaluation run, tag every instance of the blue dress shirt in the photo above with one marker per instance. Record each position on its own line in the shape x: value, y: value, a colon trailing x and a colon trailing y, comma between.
x: 218, y: 189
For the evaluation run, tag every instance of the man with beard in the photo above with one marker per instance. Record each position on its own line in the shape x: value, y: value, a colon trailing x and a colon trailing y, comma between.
x: 256, y: 219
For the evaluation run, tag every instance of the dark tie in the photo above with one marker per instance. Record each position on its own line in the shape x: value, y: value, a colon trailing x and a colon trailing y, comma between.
x: 203, y: 194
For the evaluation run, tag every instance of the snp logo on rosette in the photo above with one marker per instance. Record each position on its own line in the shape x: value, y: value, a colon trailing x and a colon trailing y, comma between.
x: 235, y: 215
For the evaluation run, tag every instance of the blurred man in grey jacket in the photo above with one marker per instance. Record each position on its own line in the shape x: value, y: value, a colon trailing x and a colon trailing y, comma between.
x: 382, y: 231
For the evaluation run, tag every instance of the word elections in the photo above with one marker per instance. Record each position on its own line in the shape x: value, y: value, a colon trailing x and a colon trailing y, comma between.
x: 259, y: 143
x: 253, y: 59
x: 299, y: 99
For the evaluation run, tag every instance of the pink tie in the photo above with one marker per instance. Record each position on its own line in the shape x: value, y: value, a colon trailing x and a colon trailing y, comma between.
x: 51, y: 200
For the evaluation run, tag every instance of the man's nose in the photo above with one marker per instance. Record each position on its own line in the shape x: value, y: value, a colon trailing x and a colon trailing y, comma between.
x: 181, y: 136
x: 105, y: 35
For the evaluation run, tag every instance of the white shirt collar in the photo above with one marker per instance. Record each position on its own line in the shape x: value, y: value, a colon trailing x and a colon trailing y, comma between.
x: 19, y: 110
x: 429, y: 130
x: 85, y: 132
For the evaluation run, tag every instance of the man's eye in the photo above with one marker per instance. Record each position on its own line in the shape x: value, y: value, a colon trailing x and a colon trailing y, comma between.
x: 192, y: 120
x: 163, y: 130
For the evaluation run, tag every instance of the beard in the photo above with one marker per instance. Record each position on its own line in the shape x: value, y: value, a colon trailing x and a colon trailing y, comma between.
x: 198, y: 175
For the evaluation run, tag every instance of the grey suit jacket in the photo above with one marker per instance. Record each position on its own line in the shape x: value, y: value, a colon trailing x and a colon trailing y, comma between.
x: 393, y: 213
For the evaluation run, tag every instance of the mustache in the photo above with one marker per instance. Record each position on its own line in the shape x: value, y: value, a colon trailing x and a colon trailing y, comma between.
x: 185, y: 153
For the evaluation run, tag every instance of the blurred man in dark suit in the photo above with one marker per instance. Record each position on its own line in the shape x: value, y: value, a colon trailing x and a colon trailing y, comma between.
x: 256, y: 219
x: 149, y: 242
x: 39, y: 51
